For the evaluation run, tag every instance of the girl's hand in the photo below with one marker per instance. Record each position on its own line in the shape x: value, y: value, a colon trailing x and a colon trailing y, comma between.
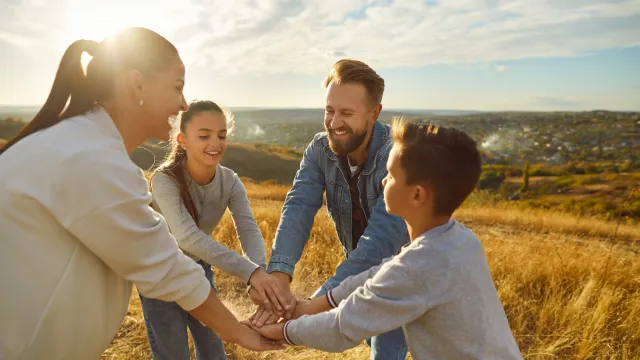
x: 275, y: 298
x: 262, y: 317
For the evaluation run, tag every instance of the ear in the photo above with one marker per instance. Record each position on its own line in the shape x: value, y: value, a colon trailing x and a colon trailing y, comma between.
x: 134, y: 80
x: 181, y: 140
x: 376, y: 111
x: 421, y: 195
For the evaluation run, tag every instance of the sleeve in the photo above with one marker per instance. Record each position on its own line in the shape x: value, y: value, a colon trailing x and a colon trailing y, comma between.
x: 383, y: 237
x: 351, y: 283
x: 394, y: 297
x: 191, y: 239
x: 102, y: 198
x: 246, y: 227
x: 298, y: 212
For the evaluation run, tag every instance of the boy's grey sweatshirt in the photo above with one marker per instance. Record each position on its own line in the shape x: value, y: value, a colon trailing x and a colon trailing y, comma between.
x: 438, y: 288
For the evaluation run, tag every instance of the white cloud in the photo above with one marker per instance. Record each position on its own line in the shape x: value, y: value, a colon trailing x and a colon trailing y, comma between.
x: 270, y: 36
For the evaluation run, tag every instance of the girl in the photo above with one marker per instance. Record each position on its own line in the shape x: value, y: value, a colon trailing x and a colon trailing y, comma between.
x: 192, y: 191
x: 77, y: 229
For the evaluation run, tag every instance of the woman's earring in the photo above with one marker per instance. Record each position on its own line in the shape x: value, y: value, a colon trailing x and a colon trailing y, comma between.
x: 140, y: 102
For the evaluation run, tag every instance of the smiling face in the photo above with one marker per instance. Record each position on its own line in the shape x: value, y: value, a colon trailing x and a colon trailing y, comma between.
x: 349, y: 116
x: 163, y: 100
x: 205, y: 138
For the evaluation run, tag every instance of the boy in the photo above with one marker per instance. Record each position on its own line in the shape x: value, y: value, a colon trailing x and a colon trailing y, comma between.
x: 438, y: 288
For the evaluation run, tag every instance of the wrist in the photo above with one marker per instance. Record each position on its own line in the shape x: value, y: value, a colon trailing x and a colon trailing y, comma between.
x: 282, y: 277
x: 254, y: 272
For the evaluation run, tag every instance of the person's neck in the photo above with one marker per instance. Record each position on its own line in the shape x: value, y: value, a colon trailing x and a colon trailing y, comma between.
x: 132, y: 137
x: 202, y: 175
x: 421, y: 224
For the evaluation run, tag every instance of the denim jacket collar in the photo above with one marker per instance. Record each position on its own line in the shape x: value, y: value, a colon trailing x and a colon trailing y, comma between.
x: 379, y: 138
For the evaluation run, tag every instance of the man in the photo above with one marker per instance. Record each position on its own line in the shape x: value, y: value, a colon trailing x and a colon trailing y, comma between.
x: 348, y: 161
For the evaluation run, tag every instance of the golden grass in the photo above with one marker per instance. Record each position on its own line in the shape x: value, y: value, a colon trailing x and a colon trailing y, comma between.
x: 567, y: 294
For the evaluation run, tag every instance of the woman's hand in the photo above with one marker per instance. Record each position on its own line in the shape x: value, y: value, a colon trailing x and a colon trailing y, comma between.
x: 275, y: 297
x: 250, y: 339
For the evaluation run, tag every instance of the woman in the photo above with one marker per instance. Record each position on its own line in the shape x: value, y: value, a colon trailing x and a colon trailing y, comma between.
x: 192, y: 191
x: 76, y: 226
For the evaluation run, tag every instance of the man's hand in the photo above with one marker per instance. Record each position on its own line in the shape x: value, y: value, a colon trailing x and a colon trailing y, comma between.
x: 270, y: 292
x: 284, y: 280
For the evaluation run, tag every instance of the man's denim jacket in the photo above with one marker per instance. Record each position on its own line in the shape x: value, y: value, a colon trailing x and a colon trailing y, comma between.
x: 320, y: 171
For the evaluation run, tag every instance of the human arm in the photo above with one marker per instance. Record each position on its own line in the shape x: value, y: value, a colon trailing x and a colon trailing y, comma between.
x: 383, y: 237
x: 394, y: 297
x: 192, y: 239
x: 102, y: 199
x: 303, y: 201
x: 248, y: 231
x: 166, y: 197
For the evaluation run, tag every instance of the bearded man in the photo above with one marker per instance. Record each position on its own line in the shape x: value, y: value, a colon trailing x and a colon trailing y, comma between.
x: 348, y: 162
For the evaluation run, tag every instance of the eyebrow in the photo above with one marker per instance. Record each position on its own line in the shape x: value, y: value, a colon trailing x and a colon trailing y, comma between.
x: 209, y: 130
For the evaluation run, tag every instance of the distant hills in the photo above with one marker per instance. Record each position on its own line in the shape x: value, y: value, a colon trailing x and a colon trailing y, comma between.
x: 260, y: 115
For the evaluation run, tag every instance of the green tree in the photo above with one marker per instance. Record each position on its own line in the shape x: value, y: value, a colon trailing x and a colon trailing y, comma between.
x: 525, y: 177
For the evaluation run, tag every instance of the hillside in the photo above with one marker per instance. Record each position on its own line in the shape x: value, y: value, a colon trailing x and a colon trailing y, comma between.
x: 260, y: 163
x: 247, y: 160
x: 569, y: 285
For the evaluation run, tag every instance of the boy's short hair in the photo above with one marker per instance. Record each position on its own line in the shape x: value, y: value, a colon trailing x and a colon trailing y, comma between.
x: 347, y: 71
x: 445, y: 159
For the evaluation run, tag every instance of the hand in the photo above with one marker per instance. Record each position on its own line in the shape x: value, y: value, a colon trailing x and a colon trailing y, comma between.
x: 262, y: 317
x: 273, y: 332
x: 311, y: 306
x: 252, y: 340
x: 270, y: 293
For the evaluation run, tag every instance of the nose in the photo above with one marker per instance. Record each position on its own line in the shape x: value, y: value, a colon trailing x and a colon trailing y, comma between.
x: 336, y: 123
x: 384, y: 182
x: 183, y: 105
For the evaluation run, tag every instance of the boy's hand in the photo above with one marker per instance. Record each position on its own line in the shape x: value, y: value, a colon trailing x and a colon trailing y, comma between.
x: 252, y: 340
x: 273, y: 332
x: 311, y: 306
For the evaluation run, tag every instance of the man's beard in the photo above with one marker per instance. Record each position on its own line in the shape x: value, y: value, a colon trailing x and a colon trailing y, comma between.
x: 343, y: 147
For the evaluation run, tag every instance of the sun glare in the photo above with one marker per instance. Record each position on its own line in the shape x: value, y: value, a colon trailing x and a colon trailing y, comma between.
x: 95, y: 20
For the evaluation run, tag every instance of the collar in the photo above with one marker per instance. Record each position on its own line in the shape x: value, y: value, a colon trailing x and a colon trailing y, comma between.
x: 437, y: 231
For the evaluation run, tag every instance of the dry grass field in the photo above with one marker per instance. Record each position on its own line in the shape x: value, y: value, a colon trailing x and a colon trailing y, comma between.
x: 571, y: 289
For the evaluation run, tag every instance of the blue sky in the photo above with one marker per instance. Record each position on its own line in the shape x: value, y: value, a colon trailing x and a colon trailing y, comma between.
x: 454, y: 54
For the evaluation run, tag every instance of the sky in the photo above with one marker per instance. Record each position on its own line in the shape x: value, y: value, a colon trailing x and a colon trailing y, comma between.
x: 433, y: 54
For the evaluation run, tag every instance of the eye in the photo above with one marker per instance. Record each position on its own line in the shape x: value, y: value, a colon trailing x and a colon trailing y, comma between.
x: 222, y: 137
x: 203, y: 137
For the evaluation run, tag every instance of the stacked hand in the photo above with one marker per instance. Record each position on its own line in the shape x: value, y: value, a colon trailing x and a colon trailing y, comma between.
x: 271, y: 293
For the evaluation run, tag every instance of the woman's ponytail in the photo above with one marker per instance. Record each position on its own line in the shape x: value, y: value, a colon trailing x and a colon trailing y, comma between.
x: 70, y: 81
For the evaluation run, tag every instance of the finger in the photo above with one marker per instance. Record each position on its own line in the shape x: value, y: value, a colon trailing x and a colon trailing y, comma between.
x: 263, y: 318
x: 253, y: 316
x: 257, y: 316
x: 248, y: 323
x: 255, y: 296
x: 265, y: 300
x: 284, y: 295
x: 292, y: 307
x: 271, y: 292
x: 272, y: 319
